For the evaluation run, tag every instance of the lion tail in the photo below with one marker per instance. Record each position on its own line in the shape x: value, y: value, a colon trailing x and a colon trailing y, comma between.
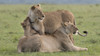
x: 85, y: 33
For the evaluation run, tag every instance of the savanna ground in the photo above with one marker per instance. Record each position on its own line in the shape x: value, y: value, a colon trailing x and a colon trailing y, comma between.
x: 87, y: 18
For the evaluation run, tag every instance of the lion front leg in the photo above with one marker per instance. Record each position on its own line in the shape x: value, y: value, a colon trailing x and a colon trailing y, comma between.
x: 69, y: 46
x: 19, y: 49
x: 71, y: 37
x: 42, y: 30
x: 76, y: 48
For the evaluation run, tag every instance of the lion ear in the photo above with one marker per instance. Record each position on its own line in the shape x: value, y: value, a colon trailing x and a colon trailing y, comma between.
x: 33, y: 7
x: 65, y: 23
x: 39, y: 5
x: 23, y: 24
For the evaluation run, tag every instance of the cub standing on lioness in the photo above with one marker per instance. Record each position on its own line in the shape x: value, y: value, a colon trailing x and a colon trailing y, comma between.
x: 52, y: 20
x: 58, y: 41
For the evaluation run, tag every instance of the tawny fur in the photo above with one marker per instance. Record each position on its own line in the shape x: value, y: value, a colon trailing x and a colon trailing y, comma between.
x: 28, y: 31
x: 58, y: 41
x: 52, y: 20
x: 36, y: 17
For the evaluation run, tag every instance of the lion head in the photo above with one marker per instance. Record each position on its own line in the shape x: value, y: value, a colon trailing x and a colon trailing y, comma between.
x: 69, y: 27
x: 36, y: 13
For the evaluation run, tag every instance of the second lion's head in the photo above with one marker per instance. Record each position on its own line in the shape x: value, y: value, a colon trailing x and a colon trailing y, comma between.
x: 69, y: 27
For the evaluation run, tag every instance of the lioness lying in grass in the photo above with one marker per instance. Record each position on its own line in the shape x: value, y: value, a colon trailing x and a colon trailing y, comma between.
x: 58, y: 41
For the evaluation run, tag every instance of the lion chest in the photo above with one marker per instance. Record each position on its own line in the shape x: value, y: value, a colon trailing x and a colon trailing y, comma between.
x: 36, y: 27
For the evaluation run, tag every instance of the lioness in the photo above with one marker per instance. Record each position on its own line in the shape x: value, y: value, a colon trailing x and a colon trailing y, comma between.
x: 36, y: 19
x: 53, y: 20
x: 58, y: 41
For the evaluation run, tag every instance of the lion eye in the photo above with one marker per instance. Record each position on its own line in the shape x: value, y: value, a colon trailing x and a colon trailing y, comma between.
x: 42, y: 15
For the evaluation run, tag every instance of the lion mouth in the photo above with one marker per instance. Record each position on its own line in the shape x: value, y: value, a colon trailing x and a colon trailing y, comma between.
x: 76, y: 33
x: 40, y: 18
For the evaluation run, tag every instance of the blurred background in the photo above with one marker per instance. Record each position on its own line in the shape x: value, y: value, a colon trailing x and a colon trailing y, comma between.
x: 49, y: 1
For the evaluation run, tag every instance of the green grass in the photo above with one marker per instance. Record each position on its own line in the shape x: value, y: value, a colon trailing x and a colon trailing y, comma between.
x: 87, y: 18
